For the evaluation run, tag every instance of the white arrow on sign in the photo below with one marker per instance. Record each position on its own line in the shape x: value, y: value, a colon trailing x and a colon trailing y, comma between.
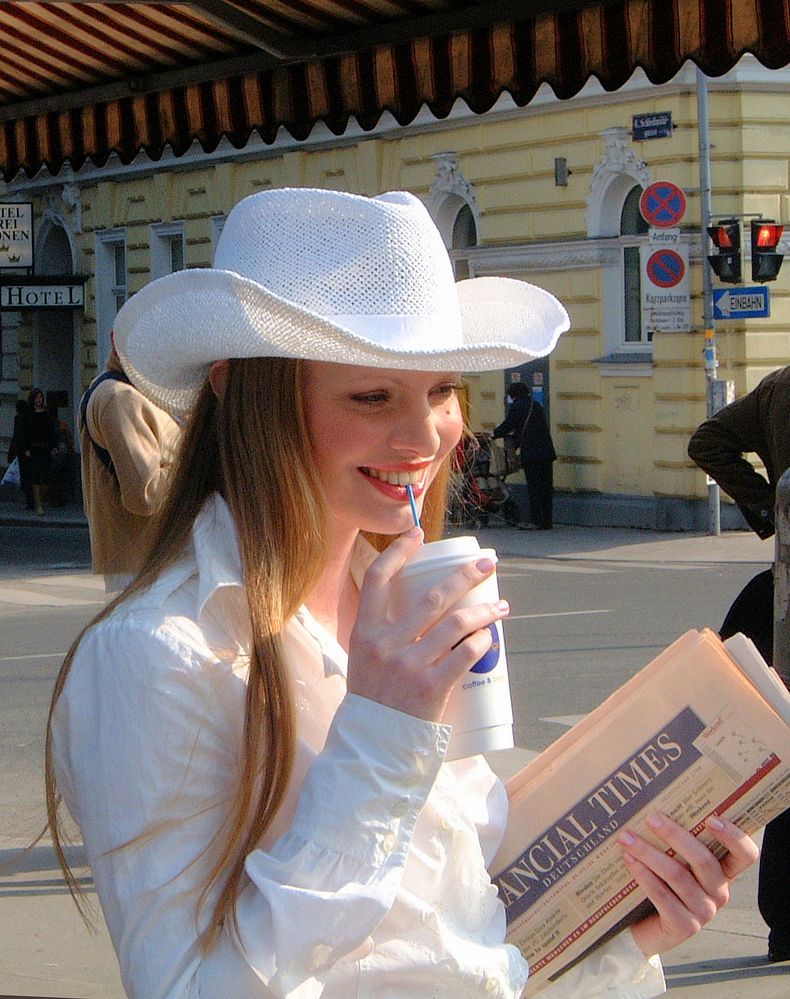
x: 723, y: 304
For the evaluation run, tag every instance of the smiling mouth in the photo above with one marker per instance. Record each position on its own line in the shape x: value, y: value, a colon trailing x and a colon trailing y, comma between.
x: 396, y: 478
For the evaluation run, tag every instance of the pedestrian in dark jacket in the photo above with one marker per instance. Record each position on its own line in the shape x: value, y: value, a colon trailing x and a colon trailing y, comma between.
x: 758, y: 423
x: 39, y: 447
x: 526, y: 424
x: 17, y: 448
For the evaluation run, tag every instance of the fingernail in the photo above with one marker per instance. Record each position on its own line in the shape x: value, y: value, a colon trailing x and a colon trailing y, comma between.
x: 714, y: 822
x: 503, y: 605
x: 484, y: 565
x: 626, y: 838
x: 655, y: 821
x: 413, y: 532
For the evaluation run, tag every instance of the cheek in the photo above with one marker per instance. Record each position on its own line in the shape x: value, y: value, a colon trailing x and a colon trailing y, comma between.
x: 451, y: 427
x: 336, y: 440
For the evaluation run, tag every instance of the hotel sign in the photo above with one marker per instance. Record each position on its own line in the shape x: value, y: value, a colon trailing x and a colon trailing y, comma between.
x: 16, y: 234
x: 42, y: 293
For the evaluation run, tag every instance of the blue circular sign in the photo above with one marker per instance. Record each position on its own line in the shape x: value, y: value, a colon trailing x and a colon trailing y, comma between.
x: 662, y: 204
x: 665, y: 268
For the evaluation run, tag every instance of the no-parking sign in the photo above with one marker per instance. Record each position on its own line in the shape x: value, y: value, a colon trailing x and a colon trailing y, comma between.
x: 665, y: 268
x: 662, y: 204
x: 666, y: 296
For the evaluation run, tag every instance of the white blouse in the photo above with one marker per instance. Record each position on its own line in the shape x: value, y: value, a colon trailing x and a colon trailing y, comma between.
x: 372, y: 880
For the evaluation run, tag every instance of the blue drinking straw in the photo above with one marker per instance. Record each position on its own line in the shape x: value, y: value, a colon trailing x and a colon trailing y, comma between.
x: 413, y: 505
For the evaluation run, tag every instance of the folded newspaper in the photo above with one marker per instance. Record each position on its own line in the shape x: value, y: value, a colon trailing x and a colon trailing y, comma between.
x: 703, y: 729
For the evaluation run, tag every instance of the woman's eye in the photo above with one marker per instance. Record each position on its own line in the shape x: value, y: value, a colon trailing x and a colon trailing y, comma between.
x: 370, y: 398
x: 445, y: 391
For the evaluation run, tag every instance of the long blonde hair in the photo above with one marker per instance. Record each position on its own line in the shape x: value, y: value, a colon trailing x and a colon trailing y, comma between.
x: 253, y: 447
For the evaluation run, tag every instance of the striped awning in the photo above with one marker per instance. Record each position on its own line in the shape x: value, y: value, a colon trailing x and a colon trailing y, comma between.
x: 81, y: 81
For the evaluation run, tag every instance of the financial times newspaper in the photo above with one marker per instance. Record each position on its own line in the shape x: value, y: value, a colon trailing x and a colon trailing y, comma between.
x: 705, y: 728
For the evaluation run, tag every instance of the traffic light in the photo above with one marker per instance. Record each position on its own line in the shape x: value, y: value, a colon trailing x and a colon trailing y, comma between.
x: 726, y: 264
x: 765, y: 260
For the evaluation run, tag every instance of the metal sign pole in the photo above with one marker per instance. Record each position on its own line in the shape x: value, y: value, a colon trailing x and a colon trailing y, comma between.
x: 782, y: 579
x: 711, y: 362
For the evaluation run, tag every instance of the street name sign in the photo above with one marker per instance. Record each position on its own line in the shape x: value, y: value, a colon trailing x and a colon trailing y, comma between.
x: 742, y: 303
x: 656, y: 125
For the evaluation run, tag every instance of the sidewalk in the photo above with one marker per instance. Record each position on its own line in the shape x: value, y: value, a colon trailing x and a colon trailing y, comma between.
x: 47, y: 952
x: 14, y: 514
x: 620, y: 544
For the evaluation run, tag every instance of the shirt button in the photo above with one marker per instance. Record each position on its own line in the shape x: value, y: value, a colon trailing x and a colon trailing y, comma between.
x: 492, y: 985
x: 446, y: 824
x: 388, y: 843
x: 400, y: 807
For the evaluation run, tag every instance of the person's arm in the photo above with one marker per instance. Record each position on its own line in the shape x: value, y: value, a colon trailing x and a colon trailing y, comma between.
x: 147, y: 741
x: 513, y: 422
x: 616, y: 970
x: 718, y: 447
x: 140, y: 439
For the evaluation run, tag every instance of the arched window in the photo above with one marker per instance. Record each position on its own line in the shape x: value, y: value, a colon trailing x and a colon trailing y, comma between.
x: 632, y: 224
x: 464, y: 238
x: 453, y: 206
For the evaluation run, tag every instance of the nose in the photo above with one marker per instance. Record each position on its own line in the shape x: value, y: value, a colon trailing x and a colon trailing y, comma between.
x: 416, y: 432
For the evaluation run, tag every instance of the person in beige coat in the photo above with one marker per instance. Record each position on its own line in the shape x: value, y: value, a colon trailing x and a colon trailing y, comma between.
x: 127, y: 446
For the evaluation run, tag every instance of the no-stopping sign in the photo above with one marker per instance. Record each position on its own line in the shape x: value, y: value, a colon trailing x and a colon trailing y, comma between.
x: 662, y: 204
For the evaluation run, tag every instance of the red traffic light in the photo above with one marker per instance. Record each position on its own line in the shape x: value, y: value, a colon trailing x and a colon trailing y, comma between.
x: 726, y: 235
x: 726, y: 264
x: 766, y: 235
x: 766, y: 262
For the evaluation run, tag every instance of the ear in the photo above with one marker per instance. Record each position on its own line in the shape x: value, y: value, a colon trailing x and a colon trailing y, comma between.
x: 218, y: 377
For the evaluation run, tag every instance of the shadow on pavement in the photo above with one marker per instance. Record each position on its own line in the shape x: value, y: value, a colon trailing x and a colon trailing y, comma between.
x: 721, y: 971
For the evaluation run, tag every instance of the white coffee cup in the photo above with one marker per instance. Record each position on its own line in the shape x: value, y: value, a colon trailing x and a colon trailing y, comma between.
x: 479, y: 708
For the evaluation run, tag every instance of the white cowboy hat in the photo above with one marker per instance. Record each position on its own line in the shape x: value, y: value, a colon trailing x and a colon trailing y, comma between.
x: 328, y: 276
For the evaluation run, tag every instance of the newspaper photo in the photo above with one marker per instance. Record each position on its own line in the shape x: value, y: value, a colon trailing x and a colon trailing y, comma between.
x: 704, y: 728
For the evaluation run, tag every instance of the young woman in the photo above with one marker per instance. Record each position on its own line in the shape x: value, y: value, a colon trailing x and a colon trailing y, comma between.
x: 40, y: 447
x: 249, y: 740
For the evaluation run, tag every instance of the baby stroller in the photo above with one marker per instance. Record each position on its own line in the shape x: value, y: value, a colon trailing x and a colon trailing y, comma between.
x: 480, y: 494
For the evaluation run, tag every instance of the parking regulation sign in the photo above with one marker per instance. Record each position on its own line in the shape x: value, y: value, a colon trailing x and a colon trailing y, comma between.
x: 662, y: 204
x: 665, y: 268
x: 666, y: 292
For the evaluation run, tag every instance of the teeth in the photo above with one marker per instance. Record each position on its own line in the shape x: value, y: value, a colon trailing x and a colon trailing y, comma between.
x: 395, y: 478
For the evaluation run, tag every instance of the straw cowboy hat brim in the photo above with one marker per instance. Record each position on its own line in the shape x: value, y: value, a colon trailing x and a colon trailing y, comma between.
x: 329, y: 277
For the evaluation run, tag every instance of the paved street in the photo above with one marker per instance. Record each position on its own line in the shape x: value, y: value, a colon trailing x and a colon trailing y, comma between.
x: 589, y: 608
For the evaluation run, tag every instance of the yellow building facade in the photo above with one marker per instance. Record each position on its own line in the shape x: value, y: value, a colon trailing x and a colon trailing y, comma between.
x: 548, y: 193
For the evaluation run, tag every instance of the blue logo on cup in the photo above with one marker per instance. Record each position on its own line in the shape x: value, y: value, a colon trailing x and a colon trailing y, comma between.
x: 491, y: 658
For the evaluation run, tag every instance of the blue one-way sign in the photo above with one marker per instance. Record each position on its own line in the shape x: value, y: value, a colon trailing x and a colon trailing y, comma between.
x: 741, y: 303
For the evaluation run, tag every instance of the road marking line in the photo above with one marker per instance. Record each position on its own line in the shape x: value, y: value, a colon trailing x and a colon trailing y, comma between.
x: 526, y: 617
x: 39, y: 655
x: 567, y: 720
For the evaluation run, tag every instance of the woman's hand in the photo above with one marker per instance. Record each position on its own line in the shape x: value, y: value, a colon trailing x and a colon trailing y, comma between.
x: 412, y: 662
x: 688, y: 889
